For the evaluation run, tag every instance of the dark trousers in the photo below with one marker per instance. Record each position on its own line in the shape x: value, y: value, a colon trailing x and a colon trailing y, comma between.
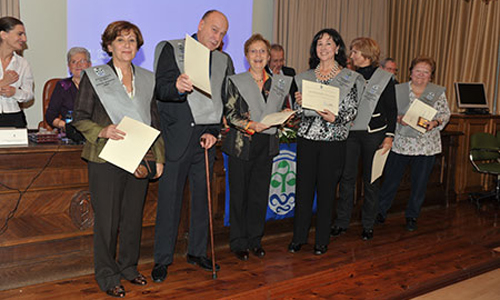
x: 359, y: 144
x: 249, y: 193
x: 117, y: 198
x: 319, y: 167
x: 421, y: 168
x: 17, y: 120
x: 171, y: 190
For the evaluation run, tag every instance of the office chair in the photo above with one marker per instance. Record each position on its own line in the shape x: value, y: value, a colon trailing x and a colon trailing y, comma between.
x: 485, y: 158
x: 48, y: 89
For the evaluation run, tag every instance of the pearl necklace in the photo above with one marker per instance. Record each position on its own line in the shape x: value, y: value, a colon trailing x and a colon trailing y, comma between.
x: 328, y: 76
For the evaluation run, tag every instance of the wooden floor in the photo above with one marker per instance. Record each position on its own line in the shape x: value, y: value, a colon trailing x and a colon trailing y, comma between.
x: 482, y: 287
x: 450, y: 245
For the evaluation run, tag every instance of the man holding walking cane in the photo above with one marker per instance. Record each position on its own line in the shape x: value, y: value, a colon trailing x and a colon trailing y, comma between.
x: 188, y: 131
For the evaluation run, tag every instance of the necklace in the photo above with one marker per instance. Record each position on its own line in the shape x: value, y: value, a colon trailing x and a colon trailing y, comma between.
x: 261, y: 79
x: 328, y: 76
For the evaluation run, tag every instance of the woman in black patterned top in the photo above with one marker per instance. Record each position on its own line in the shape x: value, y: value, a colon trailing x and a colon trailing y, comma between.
x: 321, y: 146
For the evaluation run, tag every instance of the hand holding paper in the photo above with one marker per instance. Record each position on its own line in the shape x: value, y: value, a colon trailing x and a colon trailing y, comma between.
x: 128, y: 152
x: 418, y: 115
x: 184, y: 84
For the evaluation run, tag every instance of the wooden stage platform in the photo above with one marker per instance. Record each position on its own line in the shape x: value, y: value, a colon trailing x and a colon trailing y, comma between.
x: 450, y: 245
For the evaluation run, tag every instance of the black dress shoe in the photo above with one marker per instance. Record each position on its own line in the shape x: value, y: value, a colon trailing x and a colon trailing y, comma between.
x: 320, y: 249
x: 379, y: 219
x: 367, y: 234
x: 336, y: 231
x: 241, y: 255
x: 202, y: 262
x: 139, y: 280
x: 159, y: 273
x: 411, y: 224
x: 294, y: 247
x: 117, y: 291
x: 259, y: 252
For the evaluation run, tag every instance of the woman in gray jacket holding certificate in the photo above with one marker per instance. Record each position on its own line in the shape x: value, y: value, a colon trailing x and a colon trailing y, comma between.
x: 412, y: 147
x: 321, y: 142
x: 107, y: 94
x: 251, y: 146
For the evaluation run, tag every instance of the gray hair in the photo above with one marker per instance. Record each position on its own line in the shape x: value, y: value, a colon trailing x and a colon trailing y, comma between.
x: 386, y: 60
x: 76, y: 50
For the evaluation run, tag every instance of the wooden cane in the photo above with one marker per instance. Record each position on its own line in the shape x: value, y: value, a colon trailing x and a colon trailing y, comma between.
x: 207, y: 171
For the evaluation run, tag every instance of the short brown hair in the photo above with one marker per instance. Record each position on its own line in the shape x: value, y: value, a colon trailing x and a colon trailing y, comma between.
x: 369, y: 49
x: 255, y: 38
x: 424, y: 59
x: 116, y: 28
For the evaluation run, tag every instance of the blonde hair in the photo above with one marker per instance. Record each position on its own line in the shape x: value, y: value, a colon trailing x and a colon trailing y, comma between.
x: 369, y: 49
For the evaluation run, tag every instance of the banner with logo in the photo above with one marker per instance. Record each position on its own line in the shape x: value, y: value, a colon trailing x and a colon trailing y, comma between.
x: 281, y: 201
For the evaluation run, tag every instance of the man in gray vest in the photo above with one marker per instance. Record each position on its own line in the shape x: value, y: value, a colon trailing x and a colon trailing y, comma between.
x: 190, y: 122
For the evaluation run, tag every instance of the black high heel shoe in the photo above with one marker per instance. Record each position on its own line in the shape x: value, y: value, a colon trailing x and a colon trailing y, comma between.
x: 320, y: 249
x: 294, y: 247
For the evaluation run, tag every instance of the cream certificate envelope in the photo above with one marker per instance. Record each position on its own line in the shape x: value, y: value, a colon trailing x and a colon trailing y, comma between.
x: 277, y: 118
x: 197, y: 64
x: 418, y: 114
x: 128, y: 153
x: 378, y: 164
x: 319, y: 96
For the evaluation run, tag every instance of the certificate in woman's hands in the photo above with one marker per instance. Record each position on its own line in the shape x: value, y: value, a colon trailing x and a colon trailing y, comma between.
x: 418, y: 115
x: 277, y: 118
x: 319, y: 96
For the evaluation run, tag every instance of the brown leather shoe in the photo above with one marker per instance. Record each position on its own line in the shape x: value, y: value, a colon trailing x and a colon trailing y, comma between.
x: 139, y: 280
x: 117, y: 291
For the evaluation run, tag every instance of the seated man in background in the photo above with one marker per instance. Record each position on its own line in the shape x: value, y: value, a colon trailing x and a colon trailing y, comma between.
x: 60, y: 110
x: 63, y: 97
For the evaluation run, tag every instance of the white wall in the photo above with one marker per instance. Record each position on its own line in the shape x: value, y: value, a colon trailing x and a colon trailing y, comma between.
x: 263, y: 13
x: 45, y: 23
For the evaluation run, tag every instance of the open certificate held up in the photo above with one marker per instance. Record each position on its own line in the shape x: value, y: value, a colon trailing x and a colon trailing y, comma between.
x: 418, y: 115
x: 277, y: 118
x: 197, y: 64
x: 319, y: 96
x: 128, y: 153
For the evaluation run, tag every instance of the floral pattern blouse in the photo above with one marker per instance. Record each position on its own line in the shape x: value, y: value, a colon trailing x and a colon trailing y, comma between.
x: 317, y: 129
x: 428, y: 143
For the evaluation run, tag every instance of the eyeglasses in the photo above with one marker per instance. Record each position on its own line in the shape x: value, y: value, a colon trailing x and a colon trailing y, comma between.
x: 255, y: 51
x: 81, y: 61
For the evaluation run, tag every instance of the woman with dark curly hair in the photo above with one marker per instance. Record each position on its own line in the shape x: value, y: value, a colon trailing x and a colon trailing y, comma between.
x: 321, y: 141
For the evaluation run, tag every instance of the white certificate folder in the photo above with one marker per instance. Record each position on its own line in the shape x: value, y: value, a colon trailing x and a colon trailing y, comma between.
x: 128, y: 153
x: 319, y: 96
x: 197, y: 64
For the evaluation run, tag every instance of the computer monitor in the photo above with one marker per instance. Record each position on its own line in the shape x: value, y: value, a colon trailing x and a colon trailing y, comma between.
x: 472, y: 97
